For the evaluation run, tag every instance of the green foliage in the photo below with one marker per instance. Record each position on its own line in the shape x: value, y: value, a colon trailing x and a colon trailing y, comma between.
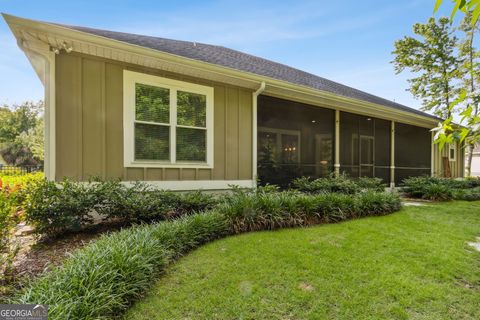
x: 465, y: 6
x: 251, y: 210
x: 410, y: 265
x: 432, y: 58
x: 368, y: 183
x: 141, y: 203
x: 338, y: 184
x: 55, y: 208
x: 21, y: 133
x: 442, y: 189
x: 104, y: 278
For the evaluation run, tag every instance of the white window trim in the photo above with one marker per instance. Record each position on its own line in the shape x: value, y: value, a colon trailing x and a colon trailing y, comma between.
x: 454, y: 148
x: 130, y: 78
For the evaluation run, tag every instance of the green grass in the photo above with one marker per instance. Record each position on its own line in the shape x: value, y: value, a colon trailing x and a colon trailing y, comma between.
x: 414, y: 264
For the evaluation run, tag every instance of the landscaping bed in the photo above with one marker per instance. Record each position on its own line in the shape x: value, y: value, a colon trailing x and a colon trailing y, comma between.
x: 102, y: 279
x: 105, y: 277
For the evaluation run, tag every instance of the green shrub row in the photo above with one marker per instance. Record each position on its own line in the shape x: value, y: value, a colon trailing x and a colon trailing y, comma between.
x: 338, y: 184
x: 54, y: 208
x: 260, y: 210
x: 442, y: 189
x: 101, y: 280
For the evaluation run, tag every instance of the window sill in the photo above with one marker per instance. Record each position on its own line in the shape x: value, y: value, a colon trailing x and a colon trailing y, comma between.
x: 139, y: 164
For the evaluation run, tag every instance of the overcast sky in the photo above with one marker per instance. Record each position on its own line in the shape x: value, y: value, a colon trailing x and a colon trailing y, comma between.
x: 348, y: 41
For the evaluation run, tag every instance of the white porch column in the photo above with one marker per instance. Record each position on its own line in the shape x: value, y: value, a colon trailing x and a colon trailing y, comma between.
x: 392, y: 155
x: 432, y: 157
x: 337, y: 142
x: 255, y: 130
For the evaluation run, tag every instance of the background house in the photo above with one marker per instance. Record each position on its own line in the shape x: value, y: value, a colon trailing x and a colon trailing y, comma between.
x: 475, y: 170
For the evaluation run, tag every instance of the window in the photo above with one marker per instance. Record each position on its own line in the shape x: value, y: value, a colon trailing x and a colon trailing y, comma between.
x: 167, y: 122
x: 452, y: 152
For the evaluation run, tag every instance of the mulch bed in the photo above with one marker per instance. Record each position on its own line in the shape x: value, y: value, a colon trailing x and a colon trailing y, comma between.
x: 35, y: 257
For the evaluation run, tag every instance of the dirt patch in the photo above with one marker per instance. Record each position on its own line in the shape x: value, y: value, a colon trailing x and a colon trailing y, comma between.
x: 306, y: 287
x: 34, y: 256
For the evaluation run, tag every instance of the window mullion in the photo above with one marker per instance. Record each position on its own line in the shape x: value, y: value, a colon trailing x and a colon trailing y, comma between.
x: 173, y: 125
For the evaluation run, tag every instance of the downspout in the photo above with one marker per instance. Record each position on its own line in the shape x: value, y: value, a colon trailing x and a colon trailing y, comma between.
x: 255, y: 131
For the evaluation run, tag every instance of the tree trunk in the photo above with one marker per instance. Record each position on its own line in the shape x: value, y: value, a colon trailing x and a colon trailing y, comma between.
x: 468, y: 167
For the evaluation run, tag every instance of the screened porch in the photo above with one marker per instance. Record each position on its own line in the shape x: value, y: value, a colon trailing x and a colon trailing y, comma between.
x: 296, y: 139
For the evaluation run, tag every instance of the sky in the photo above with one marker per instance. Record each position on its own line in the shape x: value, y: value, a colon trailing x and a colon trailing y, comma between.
x: 347, y: 41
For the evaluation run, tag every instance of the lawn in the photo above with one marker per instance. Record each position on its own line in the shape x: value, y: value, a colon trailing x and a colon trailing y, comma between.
x: 414, y: 264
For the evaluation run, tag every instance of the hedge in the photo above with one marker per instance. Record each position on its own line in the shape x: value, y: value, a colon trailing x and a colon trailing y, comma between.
x: 442, y: 189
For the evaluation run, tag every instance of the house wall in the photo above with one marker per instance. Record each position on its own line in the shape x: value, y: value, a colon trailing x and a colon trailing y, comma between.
x: 457, y: 167
x: 89, y: 124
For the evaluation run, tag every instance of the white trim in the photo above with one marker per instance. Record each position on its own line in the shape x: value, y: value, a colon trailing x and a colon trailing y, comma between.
x: 255, y: 95
x: 130, y: 78
x: 197, y: 184
x: 454, y: 148
x: 337, y: 143
x: 392, y: 154
x: 43, y: 61
x: 432, y: 155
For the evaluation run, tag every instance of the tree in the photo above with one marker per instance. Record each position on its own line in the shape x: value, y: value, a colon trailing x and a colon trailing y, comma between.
x: 432, y: 58
x: 467, y: 103
x: 470, y: 75
x: 21, y: 133
x: 465, y: 6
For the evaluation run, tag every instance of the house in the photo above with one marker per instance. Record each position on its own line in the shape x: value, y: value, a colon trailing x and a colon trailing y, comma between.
x: 475, y: 169
x: 185, y: 115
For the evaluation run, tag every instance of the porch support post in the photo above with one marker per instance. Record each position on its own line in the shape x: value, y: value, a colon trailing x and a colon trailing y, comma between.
x: 392, y: 155
x: 255, y: 95
x: 432, y: 157
x: 337, y: 143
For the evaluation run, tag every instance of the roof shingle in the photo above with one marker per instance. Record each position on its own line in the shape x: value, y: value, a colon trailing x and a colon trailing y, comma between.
x: 234, y: 59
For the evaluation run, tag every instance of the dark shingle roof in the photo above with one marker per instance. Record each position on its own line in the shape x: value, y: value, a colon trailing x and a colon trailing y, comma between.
x: 245, y: 62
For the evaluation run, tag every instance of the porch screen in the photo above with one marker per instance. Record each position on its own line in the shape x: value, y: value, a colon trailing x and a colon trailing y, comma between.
x: 412, y: 151
x: 364, y: 146
x: 294, y: 140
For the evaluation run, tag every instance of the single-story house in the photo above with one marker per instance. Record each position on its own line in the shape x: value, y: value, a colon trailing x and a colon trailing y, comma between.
x: 475, y: 169
x: 186, y: 115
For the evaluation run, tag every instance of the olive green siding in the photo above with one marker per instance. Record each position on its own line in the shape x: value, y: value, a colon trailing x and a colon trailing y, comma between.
x: 89, y: 125
x: 457, y: 167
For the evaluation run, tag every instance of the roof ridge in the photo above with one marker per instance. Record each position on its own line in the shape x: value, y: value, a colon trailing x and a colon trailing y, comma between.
x: 246, y: 62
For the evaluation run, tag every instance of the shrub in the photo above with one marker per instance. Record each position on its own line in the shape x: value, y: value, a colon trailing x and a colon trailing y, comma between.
x: 340, y: 184
x: 467, y: 194
x: 141, y: 203
x: 250, y: 210
x: 375, y: 184
x: 55, y: 208
x: 102, y: 279
x: 441, y: 189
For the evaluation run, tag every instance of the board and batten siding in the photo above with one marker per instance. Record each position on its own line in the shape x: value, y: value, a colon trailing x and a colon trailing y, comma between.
x: 89, y: 125
x: 457, y: 167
